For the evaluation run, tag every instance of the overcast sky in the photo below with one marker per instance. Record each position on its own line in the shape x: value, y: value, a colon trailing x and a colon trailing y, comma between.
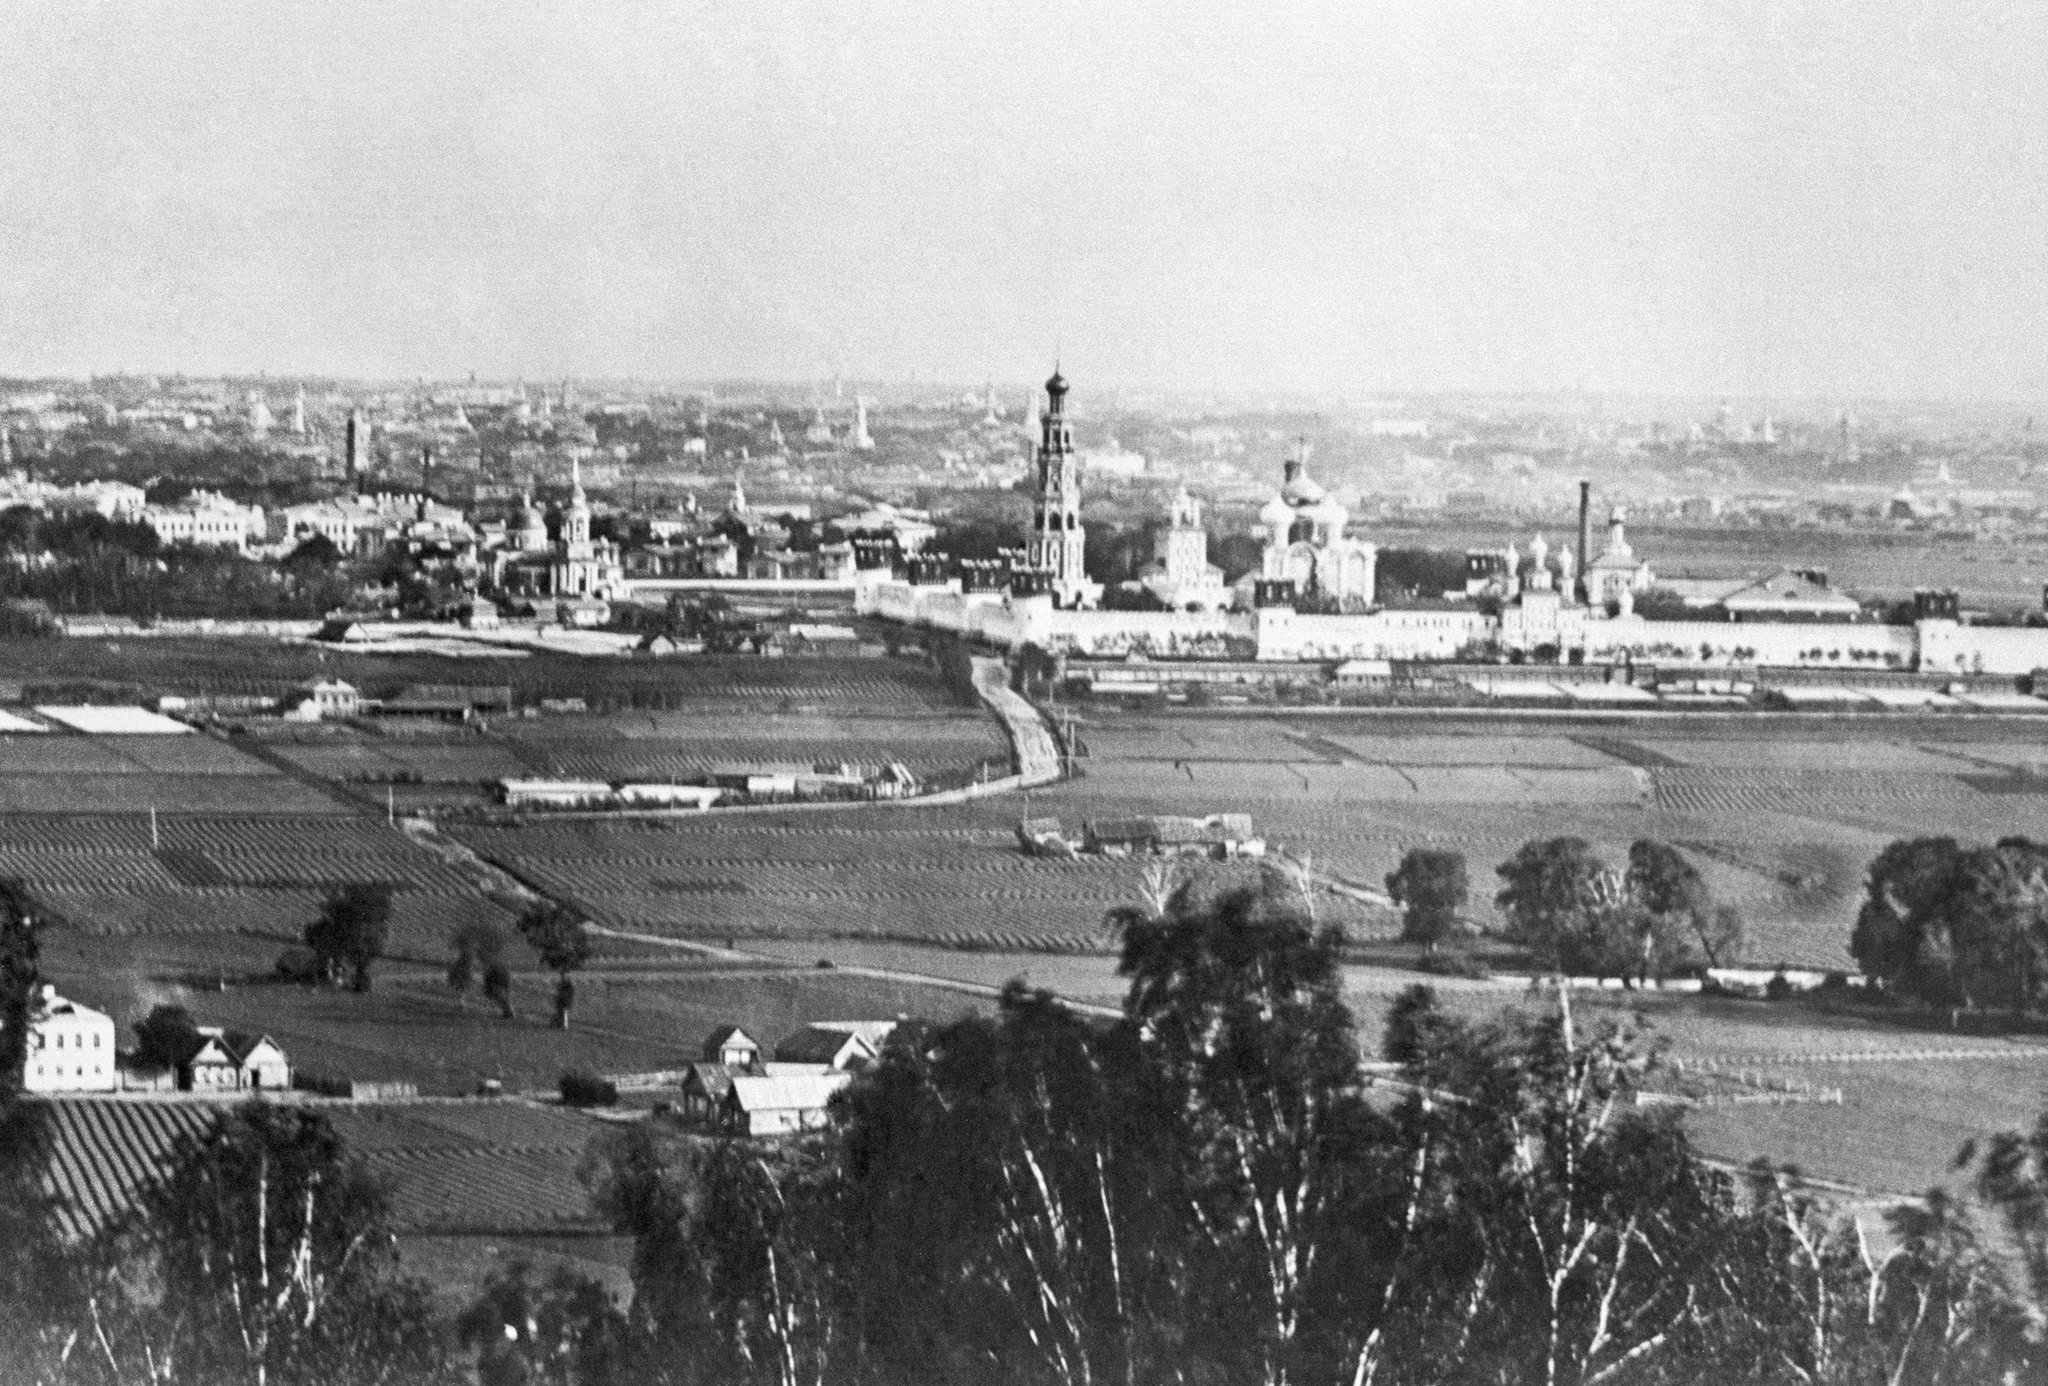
x: 1784, y: 198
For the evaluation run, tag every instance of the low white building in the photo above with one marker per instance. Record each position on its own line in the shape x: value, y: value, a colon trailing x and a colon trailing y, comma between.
x: 328, y: 699
x: 206, y: 519
x: 555, y: 793
x: 695, y: 796
x: 70, y: 1047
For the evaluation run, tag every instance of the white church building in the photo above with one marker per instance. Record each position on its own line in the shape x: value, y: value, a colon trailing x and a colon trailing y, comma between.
x: 1306, y: 544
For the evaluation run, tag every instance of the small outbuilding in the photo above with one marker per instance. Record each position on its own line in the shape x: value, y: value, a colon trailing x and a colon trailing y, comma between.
x: 705, y: 1087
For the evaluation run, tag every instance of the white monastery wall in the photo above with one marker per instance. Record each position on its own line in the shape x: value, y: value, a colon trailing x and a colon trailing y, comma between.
x: 1801, y: 644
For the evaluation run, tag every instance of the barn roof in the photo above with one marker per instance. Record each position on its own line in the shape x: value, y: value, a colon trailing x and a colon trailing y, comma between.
x: 714, y: 1079
x: 795, y: 1092
x: 819, y: 1044
x: 874, y: 1033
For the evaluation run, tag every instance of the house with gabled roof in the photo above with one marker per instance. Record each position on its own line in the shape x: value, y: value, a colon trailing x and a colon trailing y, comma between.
x: 705, y: 1087
x: 761, y: 1106
x: 838, y: 1047
x: 733, y: 1047
x: 234, y: 1060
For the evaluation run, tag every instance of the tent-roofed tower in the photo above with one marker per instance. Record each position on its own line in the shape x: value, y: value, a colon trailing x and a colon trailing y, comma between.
x: 1054, y: 552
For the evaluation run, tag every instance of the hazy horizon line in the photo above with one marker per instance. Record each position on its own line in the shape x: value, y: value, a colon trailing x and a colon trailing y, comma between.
x: 1007, y: 387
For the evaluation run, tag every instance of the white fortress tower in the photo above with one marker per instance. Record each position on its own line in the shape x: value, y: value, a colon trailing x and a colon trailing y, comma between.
x: 1057, y: 538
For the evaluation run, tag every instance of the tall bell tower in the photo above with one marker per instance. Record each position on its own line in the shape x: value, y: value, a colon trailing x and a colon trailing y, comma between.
x: 1057, y: 538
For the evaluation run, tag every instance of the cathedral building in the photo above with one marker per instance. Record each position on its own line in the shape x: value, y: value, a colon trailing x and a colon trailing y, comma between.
x: 1053, y: 553
x: 575, y: 565
x: 1306, y: 544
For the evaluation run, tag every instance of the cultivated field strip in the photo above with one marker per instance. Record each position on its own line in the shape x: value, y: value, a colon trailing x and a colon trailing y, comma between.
x: 263, y: 875
x: 98, y: 1155
x: 1813, y: 793
x: 1529, y: 752
x: 419, y: 924
x: 440, y: 764
x: 169, y: 794
x: 695, y: 840
x: 1250, y: 741
x: 492, y: 1189
x: 187, y: 755
x: 1362, y: 783
x: 463, y: 1126
x: 474, y: 1166
x: 843, y: 883
x: 1778, y: 755
x: 60, y: 754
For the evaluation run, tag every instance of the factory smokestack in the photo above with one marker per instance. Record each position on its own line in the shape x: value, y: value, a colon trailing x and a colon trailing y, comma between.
x: 1585, y: 535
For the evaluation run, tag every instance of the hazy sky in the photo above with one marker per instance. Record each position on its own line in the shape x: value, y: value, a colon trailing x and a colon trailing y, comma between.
x: 1845, y: 198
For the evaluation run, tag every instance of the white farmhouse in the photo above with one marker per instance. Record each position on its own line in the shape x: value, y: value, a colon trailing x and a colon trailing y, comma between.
x: 70, y: 1047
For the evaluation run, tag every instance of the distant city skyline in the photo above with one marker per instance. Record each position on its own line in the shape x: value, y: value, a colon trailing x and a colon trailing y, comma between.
x: 1686, y: 200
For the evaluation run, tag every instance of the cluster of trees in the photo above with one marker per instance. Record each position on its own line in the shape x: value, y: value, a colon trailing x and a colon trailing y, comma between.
x: 711, y: 619
x: 1576, y: 914
x: 1404, y: 574
x: 354, y: 927
x: 1963, y: 928
x: 1207, y: 1189
x: 350, y: 934
x: 87, y: 563
x: 265, y: 1257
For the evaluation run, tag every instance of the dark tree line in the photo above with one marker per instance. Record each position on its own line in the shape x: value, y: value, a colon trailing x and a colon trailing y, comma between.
x: 1573, y: 912
x: 87, y: 563
x: 1209, y: 1190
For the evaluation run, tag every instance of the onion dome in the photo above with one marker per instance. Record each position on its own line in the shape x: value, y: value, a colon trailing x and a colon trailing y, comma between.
x: 1301, y: 488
